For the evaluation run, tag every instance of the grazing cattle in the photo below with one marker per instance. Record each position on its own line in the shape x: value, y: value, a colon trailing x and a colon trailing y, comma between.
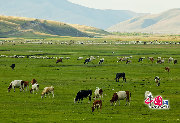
x: 157, y: 80
x: 119, y: 75
x: 170, y: 59
x: 98, y: 93
x: 87, y: 60
x: 16, y: 84
x: 12, y: 66
x: 147, y: 93
x: 121, y: 95
x: 101, y: 61
x: 128, y: 61
x: 83, y: 94
x: 35, y: 87
x: 59, y: 60
x: 26, y: 85
x: 175, y: 61
x: 151, y: 59
x: 167, y: 69
x: 33, y: 81
x: 79, y: 58
x: 47, y: 90
x: 96, y: 104
x: 140, y: 59
x: 122, y: 59
x: 160, y: 61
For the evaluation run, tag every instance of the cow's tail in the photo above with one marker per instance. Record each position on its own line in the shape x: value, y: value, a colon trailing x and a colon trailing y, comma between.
x: 130, y: 96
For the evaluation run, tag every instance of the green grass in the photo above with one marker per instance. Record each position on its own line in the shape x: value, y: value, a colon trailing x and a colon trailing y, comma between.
x: 72, y: 75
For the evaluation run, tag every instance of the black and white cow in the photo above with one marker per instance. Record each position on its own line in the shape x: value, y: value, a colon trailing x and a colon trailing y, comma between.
x: 16, y: 84
x: 101, y: 61
x: 141, y: 59
x: 157, y: 80
x: 87, y: 60
x: 119, y: 75
x: 83, y: 94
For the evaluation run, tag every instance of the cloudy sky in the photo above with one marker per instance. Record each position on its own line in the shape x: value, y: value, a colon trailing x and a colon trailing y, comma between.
x: 144, y: 6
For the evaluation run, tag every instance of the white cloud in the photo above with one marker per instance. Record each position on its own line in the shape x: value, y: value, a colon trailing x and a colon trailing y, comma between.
x: 141, y: 6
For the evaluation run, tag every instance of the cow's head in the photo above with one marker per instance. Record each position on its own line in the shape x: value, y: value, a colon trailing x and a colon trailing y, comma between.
x: 100, y: 91
x: 114, y: 98
x: 9, y: 88
x: 33, y: 81
x: 75, y: 100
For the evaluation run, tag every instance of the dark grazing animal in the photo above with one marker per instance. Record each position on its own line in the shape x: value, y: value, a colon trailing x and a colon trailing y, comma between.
x: 128, y: 61
x: 167, y: 69
x: 12, y: 66
x: 175, y: 61
x: 87, y: 60
x: 140, y: 60
x: 83, y: 94
x: 58, y: 60
x: 96, y: 104
x: 119, y: 75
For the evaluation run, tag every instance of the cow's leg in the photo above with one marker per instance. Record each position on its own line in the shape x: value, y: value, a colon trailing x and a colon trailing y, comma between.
x: 14, y: 88
x: 33, y: 91
x: 124, y: 79
x: 119, y: 102
x: 53, y: 94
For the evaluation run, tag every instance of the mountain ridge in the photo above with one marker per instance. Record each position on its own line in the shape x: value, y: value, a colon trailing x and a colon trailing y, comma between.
x: 65, y: 11
x: 22, y: 26
x: 165, y: 22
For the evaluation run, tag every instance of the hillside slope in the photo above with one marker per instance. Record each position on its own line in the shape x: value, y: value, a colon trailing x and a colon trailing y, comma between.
x: 64, y: 11
x: 25, y: 27
x: 166, y: 22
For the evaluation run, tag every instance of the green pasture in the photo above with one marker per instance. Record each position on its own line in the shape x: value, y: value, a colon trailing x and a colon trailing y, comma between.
x: 72, y: 76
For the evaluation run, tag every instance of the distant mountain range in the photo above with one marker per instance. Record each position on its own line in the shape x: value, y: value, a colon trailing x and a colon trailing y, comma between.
x: 166, y: 22
x: 64, y: 11
x: 28, y: 27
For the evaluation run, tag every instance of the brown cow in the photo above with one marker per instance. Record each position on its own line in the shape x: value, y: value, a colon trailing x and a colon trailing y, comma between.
x: 96, y: 104
x: 151, y: 59
x: 167, y: 69
x: 26, y: 84
x: 121, y: 95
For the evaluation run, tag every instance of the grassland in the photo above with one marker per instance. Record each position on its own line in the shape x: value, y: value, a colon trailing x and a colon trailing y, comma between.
x: 72, y: 75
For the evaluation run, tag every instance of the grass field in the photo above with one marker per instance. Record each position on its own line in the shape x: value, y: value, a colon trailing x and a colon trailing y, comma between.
x: 72, y: 75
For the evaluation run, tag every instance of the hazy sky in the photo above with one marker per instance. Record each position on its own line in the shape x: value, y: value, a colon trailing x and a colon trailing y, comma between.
x: 144, y: 6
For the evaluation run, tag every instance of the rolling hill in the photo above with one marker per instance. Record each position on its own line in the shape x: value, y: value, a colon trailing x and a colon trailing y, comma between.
x: 166, y: 22
x: 11, y: 26
x: 64, y: 11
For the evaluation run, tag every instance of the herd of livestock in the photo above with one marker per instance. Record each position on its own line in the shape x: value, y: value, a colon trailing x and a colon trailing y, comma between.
x: 121, y: 95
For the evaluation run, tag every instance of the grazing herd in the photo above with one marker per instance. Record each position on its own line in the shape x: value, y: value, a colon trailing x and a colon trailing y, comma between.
x: 35, y: 87
x: 98, y: 93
